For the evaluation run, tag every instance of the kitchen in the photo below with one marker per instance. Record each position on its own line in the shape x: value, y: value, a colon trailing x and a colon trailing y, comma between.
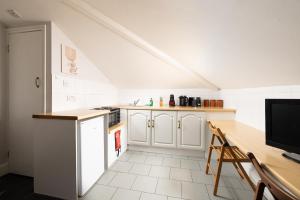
x: 113, y: 99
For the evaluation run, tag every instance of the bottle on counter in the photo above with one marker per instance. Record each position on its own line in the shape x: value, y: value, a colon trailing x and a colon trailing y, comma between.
x: 151, y: 102
x: 161, y: 102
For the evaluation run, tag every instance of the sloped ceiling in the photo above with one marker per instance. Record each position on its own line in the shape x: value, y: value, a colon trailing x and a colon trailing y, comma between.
x: 231, y: 43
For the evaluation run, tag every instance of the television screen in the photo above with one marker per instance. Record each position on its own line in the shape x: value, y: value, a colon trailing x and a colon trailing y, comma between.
x: 283, y: 124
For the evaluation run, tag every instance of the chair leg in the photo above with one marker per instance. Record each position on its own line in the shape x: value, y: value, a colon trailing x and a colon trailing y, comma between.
x: 259, y: 191
x: 208, y: 160
x: 217, y: 177
x: 238, y: 170
x: 246, y: 176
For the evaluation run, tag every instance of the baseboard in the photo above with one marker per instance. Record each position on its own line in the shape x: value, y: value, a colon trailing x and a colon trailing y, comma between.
x: 177, y: 152
x: 3, y: 169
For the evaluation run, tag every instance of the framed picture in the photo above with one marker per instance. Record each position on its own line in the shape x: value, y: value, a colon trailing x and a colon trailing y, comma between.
x: 68, y: 60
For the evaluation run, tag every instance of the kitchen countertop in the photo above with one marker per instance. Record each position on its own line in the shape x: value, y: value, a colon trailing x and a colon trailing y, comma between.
x: 177, y: 108
x: 78, y: 114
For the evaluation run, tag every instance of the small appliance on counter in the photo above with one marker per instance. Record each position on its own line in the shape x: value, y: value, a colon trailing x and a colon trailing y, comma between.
x: 190, y: 101
x: 198, y: 101
x: 114, y: 115
x: 183, y: 101
x: 172, y: 100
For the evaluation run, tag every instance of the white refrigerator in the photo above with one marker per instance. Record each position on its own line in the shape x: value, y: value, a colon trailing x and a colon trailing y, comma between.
x: 90, y: 153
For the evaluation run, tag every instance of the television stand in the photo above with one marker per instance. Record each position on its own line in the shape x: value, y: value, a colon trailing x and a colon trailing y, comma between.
x: 293, y: 156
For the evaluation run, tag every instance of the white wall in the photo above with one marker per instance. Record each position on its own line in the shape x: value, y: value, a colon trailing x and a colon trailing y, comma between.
x: 3, y: 143
x: 127, y: 96
x: 250, y: 103
x: 89, y: 88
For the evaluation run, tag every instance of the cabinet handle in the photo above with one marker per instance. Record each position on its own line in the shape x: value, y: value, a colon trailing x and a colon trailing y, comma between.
x: 149, y: 123
x: 153, y: 124
x: 178, y: 124
x: 37, y: 82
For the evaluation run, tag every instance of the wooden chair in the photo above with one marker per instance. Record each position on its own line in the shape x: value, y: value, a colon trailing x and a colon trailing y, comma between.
x: 226, y: 153
x: 277, y: 191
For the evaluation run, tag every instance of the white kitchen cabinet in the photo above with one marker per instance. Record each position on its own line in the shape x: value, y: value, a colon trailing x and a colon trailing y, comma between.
x: 163, y: 128
x: 191, y: 130
x: 139, y: 127
x: 90, y: 153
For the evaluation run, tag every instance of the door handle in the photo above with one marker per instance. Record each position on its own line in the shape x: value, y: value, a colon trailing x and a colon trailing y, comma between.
x: 178, y: 124
x: 153, y: 124
x: 149, y: 123
x: 37, y: 82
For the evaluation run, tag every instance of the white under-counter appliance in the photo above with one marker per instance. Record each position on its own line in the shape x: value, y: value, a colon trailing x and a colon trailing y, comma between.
x: 90, y: 153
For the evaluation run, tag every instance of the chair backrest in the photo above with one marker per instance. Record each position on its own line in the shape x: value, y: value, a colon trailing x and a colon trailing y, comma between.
x: 276, y: 190
x: 217, y: 133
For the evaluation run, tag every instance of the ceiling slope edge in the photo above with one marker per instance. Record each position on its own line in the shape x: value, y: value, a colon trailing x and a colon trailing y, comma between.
x: 95, y: 15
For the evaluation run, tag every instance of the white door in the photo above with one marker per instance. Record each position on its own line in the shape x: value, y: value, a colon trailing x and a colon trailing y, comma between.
x: 190, y: 130
x: 91, y: 153
x: 164, y: 128
x: 26, y: 95
x: 139, y: 127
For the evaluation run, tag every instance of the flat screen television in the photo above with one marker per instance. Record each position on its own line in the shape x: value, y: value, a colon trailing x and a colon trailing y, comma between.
x: 283, y: 126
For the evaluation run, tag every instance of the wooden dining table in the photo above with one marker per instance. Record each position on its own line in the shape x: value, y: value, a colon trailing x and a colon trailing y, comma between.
x: 249, y: 139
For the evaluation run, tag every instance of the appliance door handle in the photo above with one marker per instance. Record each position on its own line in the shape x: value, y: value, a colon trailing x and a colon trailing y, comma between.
x: 149, y: 123
x: 178, y: 124
x: 153, y: 124
x: 37, y: 82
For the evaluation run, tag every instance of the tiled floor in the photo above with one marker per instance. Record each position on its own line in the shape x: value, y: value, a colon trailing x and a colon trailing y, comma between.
x: 153, y: 176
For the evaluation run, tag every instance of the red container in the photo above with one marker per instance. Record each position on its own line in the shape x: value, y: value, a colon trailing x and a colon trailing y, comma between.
x: 220, y: 103
x: 206, y: 103
x: 212, y: 103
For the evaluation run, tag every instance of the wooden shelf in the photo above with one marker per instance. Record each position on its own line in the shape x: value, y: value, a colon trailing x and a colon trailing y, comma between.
x: 79, y: 114
x: 117, y: 126
x: 178, y: 108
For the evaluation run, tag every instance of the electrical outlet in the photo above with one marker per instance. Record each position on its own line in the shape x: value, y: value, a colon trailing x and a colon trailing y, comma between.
x: 71, y: 98
x: 66, y: 83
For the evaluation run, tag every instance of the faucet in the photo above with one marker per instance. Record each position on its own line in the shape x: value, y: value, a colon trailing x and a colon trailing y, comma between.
x: 135, y: 102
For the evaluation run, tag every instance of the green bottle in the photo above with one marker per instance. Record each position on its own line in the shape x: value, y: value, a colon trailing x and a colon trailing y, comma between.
x: 151, y: 102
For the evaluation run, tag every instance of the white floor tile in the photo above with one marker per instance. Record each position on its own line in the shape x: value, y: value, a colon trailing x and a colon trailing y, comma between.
x: 172, y: 198
x: 160, y: 172
x: 140, y: 169
x: 171, y: 162
x: 169, y: 188
x: 100, y: 191
x: 123, y: 180
x: 147, y: 196
x: 123, y: 194
x: 190, y: 164
x: 233, y: 182
x: 243, y: 194
x: 107, y: 177
x: 154, y: 160
x: 124, y: 157
x: 200, y: 177
x: 121, y: 166
x: 145, y: 184
x: 194, y: 191
x: 137, y: 158
x: 223, y: 193
x: 180, y: 174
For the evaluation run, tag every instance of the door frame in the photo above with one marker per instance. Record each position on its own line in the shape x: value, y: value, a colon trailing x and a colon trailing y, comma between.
x: 34, y: 28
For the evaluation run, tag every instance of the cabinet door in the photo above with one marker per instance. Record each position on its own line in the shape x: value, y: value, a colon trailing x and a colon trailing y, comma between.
x: 90, y: 153
x: 191, y: 130
x: 164, y: 128
x: 139, y: 127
